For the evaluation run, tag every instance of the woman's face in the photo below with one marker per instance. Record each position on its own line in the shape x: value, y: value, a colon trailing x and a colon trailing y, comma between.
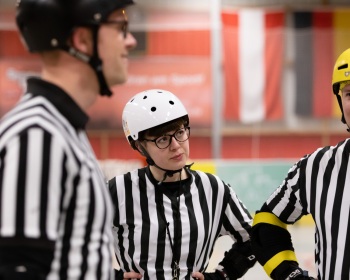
x: 174, y: 156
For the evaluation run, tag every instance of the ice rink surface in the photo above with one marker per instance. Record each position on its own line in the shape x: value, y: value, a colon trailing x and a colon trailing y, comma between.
x: 303, y: 240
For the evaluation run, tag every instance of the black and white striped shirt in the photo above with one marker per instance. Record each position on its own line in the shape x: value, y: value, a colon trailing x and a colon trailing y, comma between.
x: 197, y: 210
x: 319, y: 184
x: 52, y: 193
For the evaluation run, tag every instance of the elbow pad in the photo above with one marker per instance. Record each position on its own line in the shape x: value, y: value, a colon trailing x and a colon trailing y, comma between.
x: 237, y: 261
x: 271, y: 242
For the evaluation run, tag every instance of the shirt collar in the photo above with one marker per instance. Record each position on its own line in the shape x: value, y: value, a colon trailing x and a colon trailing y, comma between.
x: 60, y: 99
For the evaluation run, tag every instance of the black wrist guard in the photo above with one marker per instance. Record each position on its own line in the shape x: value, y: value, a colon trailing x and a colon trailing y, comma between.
x: 213, y: 276
x: 237, y: 260
x: 290, y: 271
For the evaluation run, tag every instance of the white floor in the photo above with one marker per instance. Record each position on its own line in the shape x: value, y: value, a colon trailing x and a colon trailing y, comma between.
x: 303, y: 240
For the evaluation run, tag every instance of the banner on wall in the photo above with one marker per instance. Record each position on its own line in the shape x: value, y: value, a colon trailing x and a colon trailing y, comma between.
x: 253, y: 41
x: 186, y: 77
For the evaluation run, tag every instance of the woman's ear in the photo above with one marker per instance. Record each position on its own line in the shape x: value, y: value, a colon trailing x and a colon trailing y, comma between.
x: 81, y: 40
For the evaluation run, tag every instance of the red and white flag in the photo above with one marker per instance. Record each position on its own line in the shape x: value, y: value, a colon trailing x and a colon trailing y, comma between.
x: 253, y: 41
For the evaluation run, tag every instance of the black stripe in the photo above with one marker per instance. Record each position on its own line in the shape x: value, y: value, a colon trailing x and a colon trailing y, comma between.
x: 161, y: 237
x: 209, y: 233
x: 205, y: 211
x: 192, y: 246
x: 130, y: 218
x: 2, y: 157
x: 69, y: 223
x: 112, y: 186
x: 123, y: 261
x: 46, y: 157
x: 88, y: 231
x: 323, y: 204
x: 146, y: 221
x: 21, y: 184
x: 103, y: 229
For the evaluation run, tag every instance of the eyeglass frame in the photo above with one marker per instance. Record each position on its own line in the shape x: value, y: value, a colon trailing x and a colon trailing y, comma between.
x: 186, y: 129
x: 124, y: 25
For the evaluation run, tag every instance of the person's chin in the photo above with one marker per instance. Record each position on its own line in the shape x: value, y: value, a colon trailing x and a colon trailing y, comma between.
x: 118, y: 80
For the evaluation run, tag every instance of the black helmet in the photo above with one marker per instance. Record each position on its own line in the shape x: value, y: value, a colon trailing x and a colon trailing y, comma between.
x: 47, y: 24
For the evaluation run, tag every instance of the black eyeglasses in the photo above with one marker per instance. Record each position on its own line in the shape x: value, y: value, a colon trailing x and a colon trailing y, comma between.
x: 164, y: 141
x: 123, y: 24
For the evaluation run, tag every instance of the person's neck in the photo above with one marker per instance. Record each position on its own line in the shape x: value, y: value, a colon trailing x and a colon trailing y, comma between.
x: 158, y: 174
x: 76, y: 79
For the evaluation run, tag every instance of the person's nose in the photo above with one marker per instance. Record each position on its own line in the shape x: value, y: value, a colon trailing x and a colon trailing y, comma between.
x: 174, y: 144
x: 131, y: 42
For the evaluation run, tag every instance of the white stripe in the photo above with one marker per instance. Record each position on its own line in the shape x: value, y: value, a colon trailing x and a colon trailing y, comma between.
x: 9, y: 191
x: 54, y: 187
x: 34, y: 174
x: 251, y: 37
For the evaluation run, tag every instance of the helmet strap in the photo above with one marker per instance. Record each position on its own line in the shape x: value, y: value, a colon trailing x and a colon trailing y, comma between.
x: 170, y: 173
x: 94, y: 61
x: 167, y: 172
x: 341, y: 108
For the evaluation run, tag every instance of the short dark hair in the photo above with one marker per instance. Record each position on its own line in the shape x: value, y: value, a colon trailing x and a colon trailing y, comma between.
x: 164, y: 128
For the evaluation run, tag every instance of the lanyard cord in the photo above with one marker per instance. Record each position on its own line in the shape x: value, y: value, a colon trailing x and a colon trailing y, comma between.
x: 173, y: 245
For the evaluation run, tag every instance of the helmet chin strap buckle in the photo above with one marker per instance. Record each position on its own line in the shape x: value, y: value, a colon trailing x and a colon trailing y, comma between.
x: 170, y: 173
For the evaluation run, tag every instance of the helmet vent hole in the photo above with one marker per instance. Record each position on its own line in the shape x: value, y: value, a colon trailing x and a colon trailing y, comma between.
x: 132, y: 100
x: 344, y: 66
x: 153, y: 109
x: 145, y: 97
x: 171, y: 102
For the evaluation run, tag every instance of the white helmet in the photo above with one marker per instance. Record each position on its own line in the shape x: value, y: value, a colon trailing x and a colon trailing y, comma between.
x: 148, y: 109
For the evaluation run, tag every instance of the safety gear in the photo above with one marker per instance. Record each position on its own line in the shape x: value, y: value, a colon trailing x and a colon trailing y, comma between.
x: 214, y: 276
x: 47, y: 25
x: 341, y: 73
x: 149, y: 109
x: 237, y: 261
x: 294, y: 273
x: 289, y: 270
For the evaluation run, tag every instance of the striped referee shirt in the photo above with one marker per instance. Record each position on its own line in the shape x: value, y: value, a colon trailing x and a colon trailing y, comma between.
x: 197, y: 210
x: 52, y: 193
x: 319, y: 184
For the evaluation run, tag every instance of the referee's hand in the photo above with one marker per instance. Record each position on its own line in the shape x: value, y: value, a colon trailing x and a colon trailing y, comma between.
x: 120, y: 275
x: 198, y: 276
x: 131, y: 275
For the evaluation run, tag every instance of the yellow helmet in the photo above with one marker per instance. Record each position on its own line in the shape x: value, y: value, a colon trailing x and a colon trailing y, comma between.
x: 341, y: 71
